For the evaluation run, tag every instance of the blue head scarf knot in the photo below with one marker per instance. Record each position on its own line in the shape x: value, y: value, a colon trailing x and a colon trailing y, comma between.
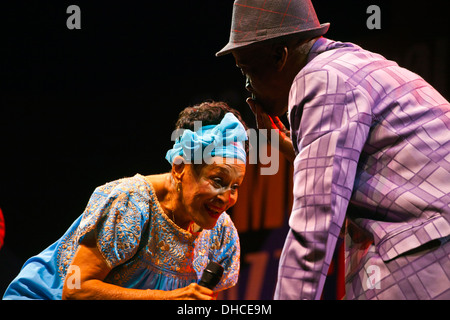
x: 223, y: 140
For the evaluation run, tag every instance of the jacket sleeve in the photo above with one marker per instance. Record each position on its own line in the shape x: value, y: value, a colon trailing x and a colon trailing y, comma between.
x: 330, y: 122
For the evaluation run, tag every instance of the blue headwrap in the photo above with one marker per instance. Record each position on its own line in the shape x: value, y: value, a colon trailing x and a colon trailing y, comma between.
x: 222, y: 140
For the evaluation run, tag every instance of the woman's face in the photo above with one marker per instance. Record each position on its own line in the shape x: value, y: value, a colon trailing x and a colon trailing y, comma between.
x: 211, y: 189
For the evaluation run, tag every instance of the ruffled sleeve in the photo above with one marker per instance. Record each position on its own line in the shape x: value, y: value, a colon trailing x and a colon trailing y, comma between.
x: 117, y: 212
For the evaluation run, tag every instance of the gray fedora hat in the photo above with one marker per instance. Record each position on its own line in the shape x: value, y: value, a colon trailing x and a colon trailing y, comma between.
x: 254, y: 21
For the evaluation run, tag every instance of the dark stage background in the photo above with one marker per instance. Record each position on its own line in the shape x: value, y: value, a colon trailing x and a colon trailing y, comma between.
x: 79, y: 108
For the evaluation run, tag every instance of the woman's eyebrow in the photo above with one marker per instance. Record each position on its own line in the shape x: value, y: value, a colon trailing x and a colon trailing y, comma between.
x: 221, y: 170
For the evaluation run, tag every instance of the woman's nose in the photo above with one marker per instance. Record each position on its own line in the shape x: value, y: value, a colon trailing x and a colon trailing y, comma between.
x: 224, y: 196
x: 227, y: 198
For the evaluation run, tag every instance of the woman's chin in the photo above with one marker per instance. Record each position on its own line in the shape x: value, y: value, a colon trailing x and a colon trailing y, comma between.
x: 208, y: 223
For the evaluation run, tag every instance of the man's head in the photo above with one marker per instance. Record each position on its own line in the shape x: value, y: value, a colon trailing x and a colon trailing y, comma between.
x: 269, y: 69
x: 270, y: 41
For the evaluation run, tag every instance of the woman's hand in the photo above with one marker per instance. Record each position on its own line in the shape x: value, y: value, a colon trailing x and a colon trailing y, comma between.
x: 264, y: 121
x: 191, y: 292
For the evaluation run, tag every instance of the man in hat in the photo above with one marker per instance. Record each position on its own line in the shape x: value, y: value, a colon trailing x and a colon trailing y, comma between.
x: 370, y: 147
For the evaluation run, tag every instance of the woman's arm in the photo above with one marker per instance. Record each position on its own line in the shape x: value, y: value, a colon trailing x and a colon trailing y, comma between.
x: 93, y: 270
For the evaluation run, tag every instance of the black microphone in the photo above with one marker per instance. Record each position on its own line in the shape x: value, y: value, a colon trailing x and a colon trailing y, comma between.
x: 211, y: 275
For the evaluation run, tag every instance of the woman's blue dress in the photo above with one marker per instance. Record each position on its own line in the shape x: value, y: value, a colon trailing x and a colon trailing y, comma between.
x: 143, y: 246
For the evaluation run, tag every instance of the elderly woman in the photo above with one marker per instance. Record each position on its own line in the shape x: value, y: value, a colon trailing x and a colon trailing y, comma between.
x: 150, y: 237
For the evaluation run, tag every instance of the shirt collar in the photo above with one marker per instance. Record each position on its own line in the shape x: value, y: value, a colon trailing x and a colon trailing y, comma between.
x: 318, y: 47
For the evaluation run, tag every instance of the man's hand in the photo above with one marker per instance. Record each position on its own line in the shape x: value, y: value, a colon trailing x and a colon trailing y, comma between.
x: 264, y: 121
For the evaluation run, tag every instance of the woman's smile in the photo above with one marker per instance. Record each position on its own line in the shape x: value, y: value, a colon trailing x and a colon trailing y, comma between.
x: 213, y: 211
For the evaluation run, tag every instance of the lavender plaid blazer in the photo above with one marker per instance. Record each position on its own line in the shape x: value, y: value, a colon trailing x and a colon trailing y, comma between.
x: 371, y: 136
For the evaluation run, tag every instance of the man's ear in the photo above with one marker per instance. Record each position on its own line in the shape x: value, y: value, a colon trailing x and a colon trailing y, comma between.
x: 178, y: 168
x: 280, y: 54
